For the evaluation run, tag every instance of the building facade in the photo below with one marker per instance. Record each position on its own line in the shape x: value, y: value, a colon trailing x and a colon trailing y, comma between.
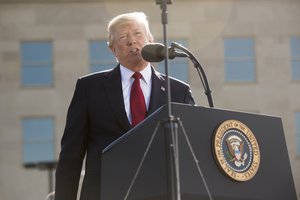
x: 250, y: 51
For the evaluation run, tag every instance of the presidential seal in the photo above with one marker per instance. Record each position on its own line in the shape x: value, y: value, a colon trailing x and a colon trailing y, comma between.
x: 236, y: 150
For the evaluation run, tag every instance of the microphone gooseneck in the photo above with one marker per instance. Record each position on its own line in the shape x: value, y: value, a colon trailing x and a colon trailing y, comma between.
x: 200, y: 71
x: 155, y: 52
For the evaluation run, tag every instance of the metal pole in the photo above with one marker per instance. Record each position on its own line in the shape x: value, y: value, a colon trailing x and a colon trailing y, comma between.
x: 170, y: 126
x: 172, y: 161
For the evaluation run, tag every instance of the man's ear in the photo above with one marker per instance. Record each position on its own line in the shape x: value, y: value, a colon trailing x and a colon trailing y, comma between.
x: 113, y: 50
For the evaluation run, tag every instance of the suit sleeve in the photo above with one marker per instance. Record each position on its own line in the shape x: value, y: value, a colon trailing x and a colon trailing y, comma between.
x: 73, y: 146
x: 181, y: 92
x: 188, y: 96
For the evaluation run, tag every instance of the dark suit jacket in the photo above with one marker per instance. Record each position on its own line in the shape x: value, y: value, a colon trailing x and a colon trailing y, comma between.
x: 96, y: 117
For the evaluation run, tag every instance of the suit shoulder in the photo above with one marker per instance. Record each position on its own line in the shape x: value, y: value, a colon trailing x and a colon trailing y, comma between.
x: 175, y: 81
x: 178, y: 81
x: 96, y: 75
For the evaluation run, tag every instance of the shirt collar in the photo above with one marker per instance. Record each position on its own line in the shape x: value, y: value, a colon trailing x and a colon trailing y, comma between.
x: 126, y: 73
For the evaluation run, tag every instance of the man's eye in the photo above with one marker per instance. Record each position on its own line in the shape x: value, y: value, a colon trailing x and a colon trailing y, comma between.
x: 123, y: 37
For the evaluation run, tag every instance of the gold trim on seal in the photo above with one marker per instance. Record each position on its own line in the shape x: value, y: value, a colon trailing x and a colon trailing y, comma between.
x: 239, y: 158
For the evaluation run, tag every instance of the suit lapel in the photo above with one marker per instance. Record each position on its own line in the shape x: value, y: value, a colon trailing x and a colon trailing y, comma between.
x: 158, y: 92
x: 113, y: 89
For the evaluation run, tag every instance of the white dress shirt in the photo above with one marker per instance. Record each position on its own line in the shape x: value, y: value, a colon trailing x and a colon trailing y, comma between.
x: 127, y: 80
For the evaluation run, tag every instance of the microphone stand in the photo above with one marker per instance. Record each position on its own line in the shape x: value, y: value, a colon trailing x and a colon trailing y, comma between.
x: 171, y: 124
x: 200, y: 71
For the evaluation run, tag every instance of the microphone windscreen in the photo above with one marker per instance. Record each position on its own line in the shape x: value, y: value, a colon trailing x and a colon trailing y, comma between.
x: 153, y: 52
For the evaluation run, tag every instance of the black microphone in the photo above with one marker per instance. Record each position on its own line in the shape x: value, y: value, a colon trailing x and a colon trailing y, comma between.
x: 155, y: 52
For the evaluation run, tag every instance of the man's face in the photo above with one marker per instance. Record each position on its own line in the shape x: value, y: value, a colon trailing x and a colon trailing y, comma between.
x: 129, y: 39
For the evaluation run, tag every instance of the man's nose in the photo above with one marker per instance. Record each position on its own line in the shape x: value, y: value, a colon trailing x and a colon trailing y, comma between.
x: 131, y: 39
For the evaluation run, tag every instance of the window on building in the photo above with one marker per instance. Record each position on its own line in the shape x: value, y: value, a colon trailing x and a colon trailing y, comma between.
x: 100, y: 56
x: 239, y: 60
x: 297, y: 120
x: 178, y: 67
x: 36, y: 64
x: 38, y: 140
x: 295, y: 58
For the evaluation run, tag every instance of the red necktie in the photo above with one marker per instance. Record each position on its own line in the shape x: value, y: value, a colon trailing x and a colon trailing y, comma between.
x: 137, y: 101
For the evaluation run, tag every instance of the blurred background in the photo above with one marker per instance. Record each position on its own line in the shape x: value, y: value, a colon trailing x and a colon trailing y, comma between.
x: 250, y: 51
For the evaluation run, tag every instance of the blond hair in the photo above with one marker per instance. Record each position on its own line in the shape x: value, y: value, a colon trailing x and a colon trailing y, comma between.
x: 139, y: 17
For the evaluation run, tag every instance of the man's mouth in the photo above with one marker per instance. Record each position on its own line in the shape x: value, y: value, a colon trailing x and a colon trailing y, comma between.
x: 134, y: 50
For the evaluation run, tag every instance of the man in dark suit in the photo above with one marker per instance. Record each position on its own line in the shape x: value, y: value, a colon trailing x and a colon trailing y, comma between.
x: 100, y: 110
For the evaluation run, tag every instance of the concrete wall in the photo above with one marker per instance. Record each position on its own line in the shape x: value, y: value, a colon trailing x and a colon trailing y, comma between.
x: 203, y: 23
